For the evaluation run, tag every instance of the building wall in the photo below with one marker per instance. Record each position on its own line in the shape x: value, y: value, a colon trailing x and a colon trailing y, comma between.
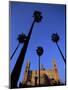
x: 51, y: 74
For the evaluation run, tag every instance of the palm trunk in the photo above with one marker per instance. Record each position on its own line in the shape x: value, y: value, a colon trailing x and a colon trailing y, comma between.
x: 39, y: 70
x: 14, y: 51
x: 17, y: 69
x: 61, y: 53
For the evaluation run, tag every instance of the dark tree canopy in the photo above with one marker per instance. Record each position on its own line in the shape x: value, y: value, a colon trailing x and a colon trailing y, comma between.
x: 22, y: 38
x: 37, y: 16
x: 39, y: 51
x: 55, y: 37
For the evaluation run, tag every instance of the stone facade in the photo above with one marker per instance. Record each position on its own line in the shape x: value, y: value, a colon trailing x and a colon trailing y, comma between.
x: 47, y: 77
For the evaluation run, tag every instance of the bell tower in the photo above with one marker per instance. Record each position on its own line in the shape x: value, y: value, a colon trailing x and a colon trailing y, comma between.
x: 55, y: 70
x: 26, y: 72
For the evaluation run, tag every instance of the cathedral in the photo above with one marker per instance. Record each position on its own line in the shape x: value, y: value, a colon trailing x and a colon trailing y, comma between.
x: 47, y: 77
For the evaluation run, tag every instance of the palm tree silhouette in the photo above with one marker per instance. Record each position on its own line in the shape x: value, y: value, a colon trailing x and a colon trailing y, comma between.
x: 39, y: 51
x: 55, y: 38
x: 23, y: 39
x: 37, y: 16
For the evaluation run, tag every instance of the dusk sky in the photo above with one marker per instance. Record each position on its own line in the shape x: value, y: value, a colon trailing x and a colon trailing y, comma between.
x: 21, y: 18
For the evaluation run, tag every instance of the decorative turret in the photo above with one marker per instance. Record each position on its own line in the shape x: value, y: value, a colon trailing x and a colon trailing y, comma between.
x: 56, y: 76
x: 26, y: 72
x: 54, y: 64
x: 42, y: 67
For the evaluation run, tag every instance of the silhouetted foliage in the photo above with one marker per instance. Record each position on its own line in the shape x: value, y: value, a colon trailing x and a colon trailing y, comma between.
x: 37, y: 16
x: 55, y: 37
x: 39, y: 51
x: 22, y: 38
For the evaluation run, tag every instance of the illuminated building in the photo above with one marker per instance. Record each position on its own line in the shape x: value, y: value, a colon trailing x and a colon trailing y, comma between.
x: 47, y: 77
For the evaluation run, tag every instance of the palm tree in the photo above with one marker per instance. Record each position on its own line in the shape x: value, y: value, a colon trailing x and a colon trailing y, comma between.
x: 39, y: 51
x: 37, y: 16
x: 55, y: 38
x: 23, y: 39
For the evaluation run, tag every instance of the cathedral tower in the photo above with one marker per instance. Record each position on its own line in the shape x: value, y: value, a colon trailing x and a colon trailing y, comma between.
x: 55, y: 70
x: 26, y: 72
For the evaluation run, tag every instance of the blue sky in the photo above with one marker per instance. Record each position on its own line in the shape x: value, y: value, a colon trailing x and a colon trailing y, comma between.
x: 53, y: 21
